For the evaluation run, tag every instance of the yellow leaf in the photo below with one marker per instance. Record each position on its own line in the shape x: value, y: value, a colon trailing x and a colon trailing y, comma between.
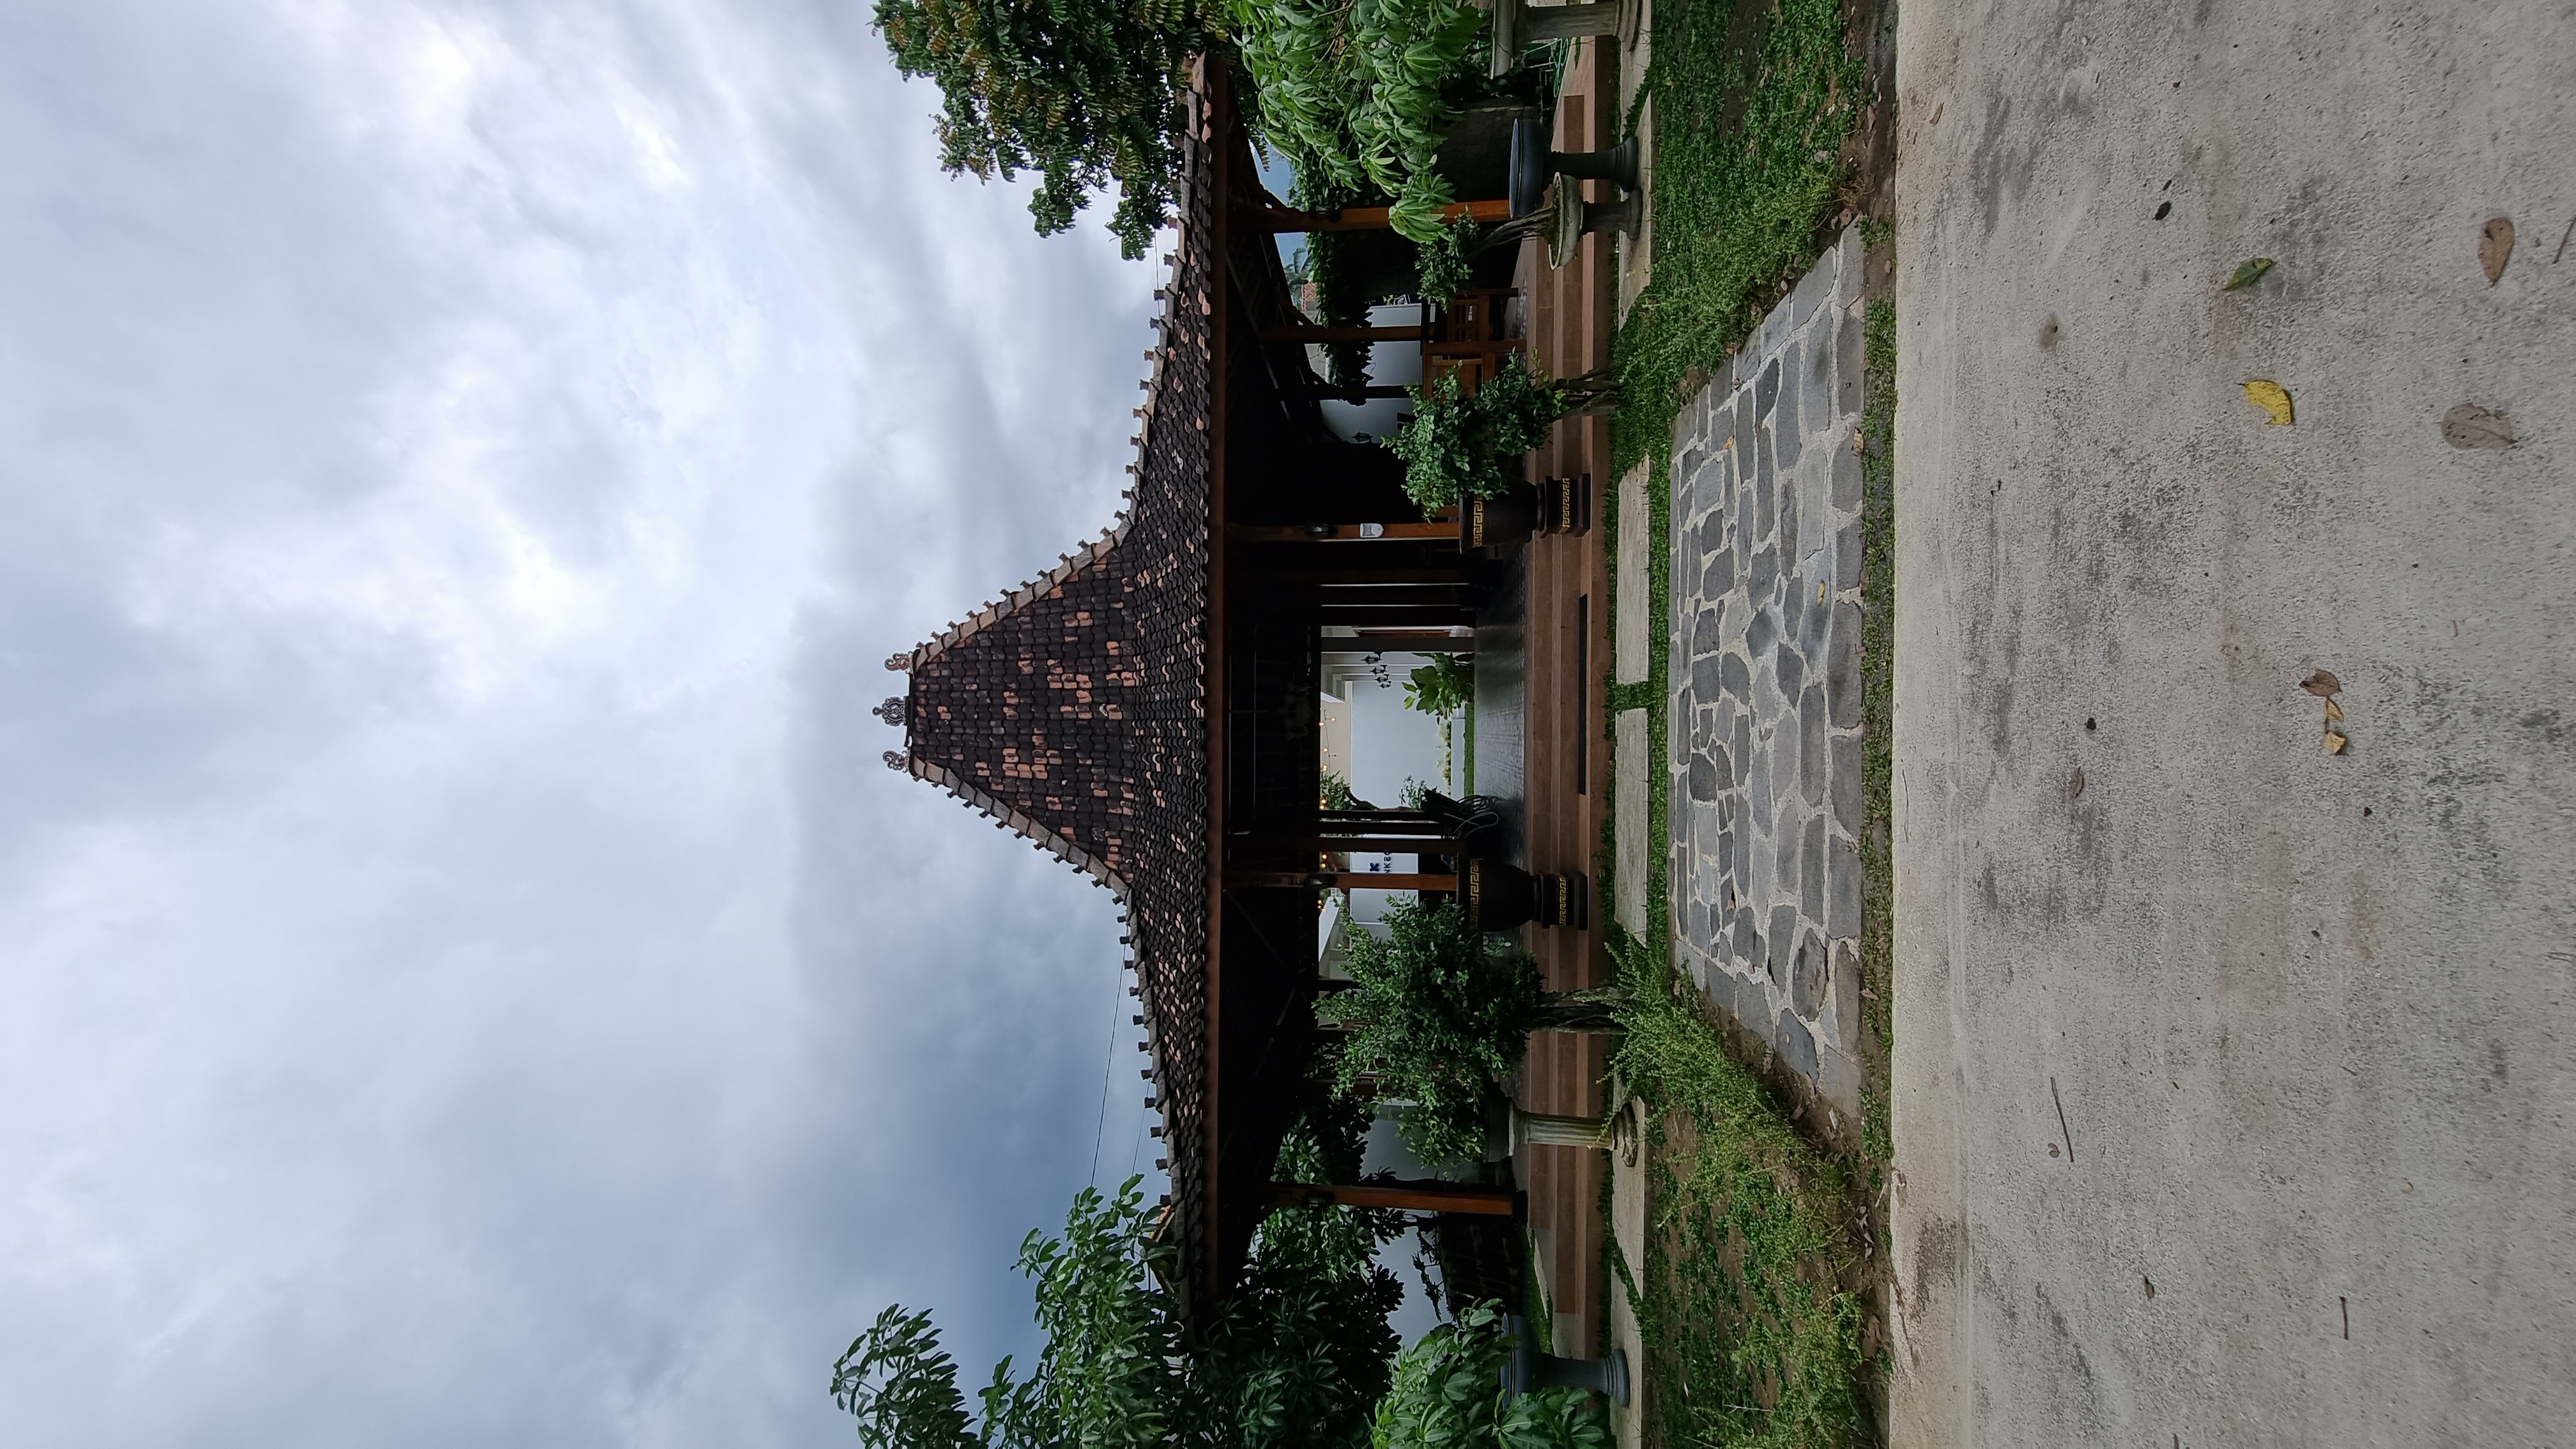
x: 2333, y: 710
x: 2334, y: 743
x: 2248, y: 274
x: 2272, y: 398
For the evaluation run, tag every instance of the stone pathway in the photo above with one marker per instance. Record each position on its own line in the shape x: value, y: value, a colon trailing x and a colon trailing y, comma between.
x: 1766, y: 750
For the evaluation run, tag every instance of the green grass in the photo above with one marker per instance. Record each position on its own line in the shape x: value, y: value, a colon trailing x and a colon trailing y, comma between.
x: 1878, y: 712
x: 1751, y: 105
x: 1744, y: 1302
x: 1748, y: 1297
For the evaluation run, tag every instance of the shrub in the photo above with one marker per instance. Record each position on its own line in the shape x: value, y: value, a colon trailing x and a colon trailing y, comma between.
x: 1439, y: 1011
x: 1448, y: 1395
x: 1455, y: 444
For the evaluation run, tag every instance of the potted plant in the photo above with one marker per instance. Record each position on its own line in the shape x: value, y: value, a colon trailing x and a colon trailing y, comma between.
x: 1456, y: 443
x: 1448, y: 1394
x: 1436, y: 1012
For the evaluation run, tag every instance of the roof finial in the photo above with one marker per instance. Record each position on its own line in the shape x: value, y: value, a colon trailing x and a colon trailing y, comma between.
x: 895, y: 760
x: 891, y: 711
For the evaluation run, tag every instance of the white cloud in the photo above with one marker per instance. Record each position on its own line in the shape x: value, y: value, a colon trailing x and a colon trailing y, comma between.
x: 469, y: 980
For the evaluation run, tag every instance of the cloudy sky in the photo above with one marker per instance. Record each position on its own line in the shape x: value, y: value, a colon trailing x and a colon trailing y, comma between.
x: 468, y: 977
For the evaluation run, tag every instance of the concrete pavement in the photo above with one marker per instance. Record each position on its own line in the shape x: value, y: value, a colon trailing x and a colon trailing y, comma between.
x: 2232, y: 1076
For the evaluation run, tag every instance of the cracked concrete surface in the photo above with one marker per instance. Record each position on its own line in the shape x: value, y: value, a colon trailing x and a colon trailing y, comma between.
x: 2232, y: 1077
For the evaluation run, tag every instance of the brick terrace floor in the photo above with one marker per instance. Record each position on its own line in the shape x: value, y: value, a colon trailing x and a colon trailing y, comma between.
x: 1564, y: 755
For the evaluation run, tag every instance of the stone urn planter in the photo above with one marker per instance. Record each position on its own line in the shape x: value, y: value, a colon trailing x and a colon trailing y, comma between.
x: 1534, y: 165
x: 1528, y: 1368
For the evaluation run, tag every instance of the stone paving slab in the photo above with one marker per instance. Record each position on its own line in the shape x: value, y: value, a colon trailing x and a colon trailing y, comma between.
x: 1632, y: 840
x: 1766, y: 756
x: 1631, y: 647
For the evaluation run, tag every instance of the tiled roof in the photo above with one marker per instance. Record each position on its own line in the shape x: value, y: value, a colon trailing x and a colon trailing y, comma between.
x: 1074, y: 709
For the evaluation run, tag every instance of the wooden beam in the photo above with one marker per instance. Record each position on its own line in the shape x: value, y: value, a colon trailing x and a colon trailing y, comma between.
x: 1394, y: 617
x: 1340, y: 532
x: 1306, y: 332
x: 1367, y: 844
x: 1282, y: 217
x: 1326, y: 392
x: 1418, y: 574
x: 1405, y: 1196
x: 1379, y: 641
x: 1337, y: 880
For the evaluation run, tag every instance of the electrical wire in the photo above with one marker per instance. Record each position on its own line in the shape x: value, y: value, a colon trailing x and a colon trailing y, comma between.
x: 1108, y: 1066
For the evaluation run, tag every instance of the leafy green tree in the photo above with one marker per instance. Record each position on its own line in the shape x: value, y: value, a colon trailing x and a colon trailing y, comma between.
x: 1086, y: 93
x: 900, y: 1387
x: 1296, y: 1354
x: 1438, y: 1013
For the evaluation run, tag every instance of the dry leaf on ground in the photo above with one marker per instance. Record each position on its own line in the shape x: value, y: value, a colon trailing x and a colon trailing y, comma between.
x: 2076, y: 787
x: 2471, y: 426
x: 2272, y: 398
x: 2495, y: 245
x: 2248, y: 274
x: 2323, y: 684
x: 2334, y: 743
x: 2333, y: 710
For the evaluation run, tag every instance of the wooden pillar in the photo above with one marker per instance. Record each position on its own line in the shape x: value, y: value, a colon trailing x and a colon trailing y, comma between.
x: 1404, y: 640
x: 1282, y: 217
x: 1408, y: 1196
x: 1376, y: 844
x: 1445, y: 531
x: 1306, y: 332
x: 1338, y: 880
x: 1414, y: 574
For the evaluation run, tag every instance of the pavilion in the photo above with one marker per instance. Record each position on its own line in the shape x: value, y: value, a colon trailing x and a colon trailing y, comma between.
x: 1146, y: 711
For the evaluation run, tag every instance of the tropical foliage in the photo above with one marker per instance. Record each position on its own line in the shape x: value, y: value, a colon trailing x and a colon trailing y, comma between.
x: 1455, y: 444
x: 1085, y: 93
x: 1447, y: 261
x: 1443, y: 687
x: 1298, y: 1353
x: 1438, y: 1013
x: 1448, y: 1395
x: 1351, y: 91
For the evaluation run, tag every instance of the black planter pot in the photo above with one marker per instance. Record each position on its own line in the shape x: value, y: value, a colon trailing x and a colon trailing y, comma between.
x: 1507, y: 519
x: 1499, y: 896
x: 1566, y: 505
